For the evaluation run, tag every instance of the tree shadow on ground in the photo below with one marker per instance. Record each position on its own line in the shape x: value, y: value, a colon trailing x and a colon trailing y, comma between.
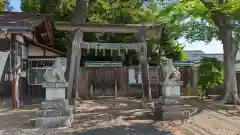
x: 17, y: 118
x: 94, y: 112
x: 224, y: 109
x: 214, y: 105
x: 138, y: 129
x: 109, y: 116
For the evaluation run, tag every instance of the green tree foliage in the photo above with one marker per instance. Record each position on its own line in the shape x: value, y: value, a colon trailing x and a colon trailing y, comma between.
x: 210, y: 75
x: 2, y: 5
x: 30, y: 5
x: 5, y: 3
x: 60, y: 10
x: 204, y: 20
x: 114, y: 11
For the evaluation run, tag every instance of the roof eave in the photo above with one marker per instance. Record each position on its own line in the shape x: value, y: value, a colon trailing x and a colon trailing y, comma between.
x: 13, y: 29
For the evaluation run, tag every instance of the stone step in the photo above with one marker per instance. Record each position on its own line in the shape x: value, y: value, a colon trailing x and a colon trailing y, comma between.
x: 173, y: 112
x: 171, y: 100
x: 177, y: 107
x: 172, y: 106
x: 172, y: 115
x: 53, y: 122
x: 53, y: 104
x: 178, y: 115
x: 68, y: 111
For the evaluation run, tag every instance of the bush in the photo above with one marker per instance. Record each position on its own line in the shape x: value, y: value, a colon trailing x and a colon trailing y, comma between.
x: 210, y: 75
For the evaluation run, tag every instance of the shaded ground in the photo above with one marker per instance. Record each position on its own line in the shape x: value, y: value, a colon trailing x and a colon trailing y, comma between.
x: 119, y: 117
x: 11, y: 118
x: 127, y: 117
x: 16, y: 122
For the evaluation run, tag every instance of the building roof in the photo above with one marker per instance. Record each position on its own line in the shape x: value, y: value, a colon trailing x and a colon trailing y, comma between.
x: 183, y: 63
x: 197, y: 55
x: 190, y: 53
x: 218, y: 56
x: 102, y: 64
x: 20, y: 21
x: 34, y: 42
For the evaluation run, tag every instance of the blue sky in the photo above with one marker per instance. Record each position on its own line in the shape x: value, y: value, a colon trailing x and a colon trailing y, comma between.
x: 212, y: 47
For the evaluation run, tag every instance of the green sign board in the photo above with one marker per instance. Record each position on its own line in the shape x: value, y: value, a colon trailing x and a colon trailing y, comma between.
x: 103, y: 64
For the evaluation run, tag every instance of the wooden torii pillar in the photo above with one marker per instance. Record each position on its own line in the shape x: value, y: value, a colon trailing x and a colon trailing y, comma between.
x: 75, y: 65
x: 78, y: 43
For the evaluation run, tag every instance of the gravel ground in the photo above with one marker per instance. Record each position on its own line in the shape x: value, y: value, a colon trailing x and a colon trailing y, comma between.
x: 214, y: 120
x: 16, y: 122
x: 119, y: 117
x: 126, y: 117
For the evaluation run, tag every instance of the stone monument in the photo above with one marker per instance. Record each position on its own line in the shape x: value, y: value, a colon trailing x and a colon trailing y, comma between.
x: 55, y: 111
x: 169, y: 105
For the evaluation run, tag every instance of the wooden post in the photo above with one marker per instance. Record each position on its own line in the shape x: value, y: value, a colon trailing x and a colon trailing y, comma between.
x: 159, y: 81
x: 115, y: 90
x: 144, y: 67
x: 71, y: 75
x: 75, y: 44
x: 195, y: 77
x: 77, y: 77
x: 78, y: 80
x: 13, y: 60
x: 159, y: 68
x: 91, y: 91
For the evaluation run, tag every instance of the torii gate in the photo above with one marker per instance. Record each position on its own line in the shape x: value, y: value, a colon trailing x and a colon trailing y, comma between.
x: 78, y: 44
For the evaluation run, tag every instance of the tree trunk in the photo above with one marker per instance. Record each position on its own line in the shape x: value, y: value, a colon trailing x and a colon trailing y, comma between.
x: 223, y: 22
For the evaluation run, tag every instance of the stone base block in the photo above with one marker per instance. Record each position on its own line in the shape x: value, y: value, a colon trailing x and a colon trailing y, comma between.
x: 176, y: 108
x: 53, y: 122
x: 172, y: 112
x: 171, y: 88
x: 55, y: 93
x: 54, y: 105
x: 170, y: 100
x: 53, y: 113
x: 55, y: 85
x: 178, y: 115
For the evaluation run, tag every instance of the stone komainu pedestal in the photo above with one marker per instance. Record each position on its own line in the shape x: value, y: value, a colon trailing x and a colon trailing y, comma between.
x: 170, y: 106
x: 55, y: 110
x: 55, y: 91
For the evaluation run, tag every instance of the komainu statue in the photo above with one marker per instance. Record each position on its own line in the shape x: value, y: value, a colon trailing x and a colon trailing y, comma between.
x: 56, y: 72
x: 170, y: 73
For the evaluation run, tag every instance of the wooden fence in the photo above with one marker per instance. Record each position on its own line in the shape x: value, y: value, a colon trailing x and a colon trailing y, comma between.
x: 105, y: 81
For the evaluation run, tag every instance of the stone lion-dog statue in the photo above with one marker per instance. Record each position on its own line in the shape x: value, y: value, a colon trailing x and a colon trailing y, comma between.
x: 56, y: 72
x: 170, y: 72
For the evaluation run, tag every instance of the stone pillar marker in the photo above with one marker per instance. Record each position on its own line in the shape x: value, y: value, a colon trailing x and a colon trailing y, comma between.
x: 55, y: 111
x: 170, y: 105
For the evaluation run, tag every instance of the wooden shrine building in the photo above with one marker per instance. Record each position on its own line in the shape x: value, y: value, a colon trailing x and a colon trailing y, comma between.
x: 26, y: 48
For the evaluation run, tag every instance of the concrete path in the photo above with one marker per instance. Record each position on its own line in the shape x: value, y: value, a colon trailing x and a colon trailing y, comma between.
x: 214, y: 121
